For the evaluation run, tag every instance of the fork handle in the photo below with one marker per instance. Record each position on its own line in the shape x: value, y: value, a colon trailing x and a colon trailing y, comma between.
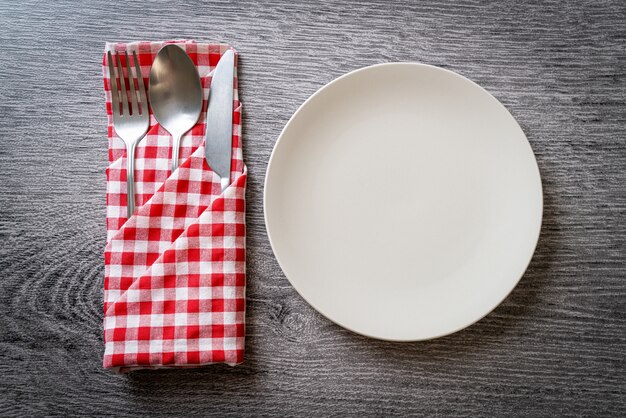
x: 130, y: 179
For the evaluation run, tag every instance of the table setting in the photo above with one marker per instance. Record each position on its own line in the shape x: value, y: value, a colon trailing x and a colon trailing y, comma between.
x: 293, y: 209
x: 450, y: 233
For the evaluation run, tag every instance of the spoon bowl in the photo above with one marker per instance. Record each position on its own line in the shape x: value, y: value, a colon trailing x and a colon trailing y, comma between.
x: 175, y: 94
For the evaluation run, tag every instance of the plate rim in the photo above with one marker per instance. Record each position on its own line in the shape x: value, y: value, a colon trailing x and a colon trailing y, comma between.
x: 351, y: 74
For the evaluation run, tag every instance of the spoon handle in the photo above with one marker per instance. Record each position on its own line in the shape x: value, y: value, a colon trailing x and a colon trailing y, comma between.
x: 175, y: 149
x: 130, y: 179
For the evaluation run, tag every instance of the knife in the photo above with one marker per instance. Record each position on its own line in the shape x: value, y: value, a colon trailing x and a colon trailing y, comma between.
x: 219, y: 118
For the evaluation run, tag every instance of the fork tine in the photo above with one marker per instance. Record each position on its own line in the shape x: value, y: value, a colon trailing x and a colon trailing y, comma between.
x: 131, y: 81
x: 115, y: 100
x: 123, y: 93
x: 142, y: 89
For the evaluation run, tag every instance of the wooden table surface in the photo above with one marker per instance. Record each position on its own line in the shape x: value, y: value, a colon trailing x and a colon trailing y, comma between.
x: 557, y: 345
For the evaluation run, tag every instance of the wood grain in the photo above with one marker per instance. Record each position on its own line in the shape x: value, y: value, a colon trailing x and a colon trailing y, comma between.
x: 555, y: 346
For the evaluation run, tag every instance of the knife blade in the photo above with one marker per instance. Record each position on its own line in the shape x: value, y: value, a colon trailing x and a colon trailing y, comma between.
x: 219, y: 119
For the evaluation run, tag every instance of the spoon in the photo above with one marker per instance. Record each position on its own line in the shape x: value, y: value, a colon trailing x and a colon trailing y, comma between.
x: 175, y: 94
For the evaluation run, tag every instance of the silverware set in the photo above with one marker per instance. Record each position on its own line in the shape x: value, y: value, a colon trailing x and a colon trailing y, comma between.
x: 175, y: 96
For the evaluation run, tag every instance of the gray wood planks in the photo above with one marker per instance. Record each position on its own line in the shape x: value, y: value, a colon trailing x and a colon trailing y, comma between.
x: 556, y: 345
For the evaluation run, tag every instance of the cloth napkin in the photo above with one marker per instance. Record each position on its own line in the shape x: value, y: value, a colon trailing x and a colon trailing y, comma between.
x: 175, y: 276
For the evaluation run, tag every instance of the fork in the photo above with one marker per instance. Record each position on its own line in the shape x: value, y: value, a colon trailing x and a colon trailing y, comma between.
x: 131, y: 126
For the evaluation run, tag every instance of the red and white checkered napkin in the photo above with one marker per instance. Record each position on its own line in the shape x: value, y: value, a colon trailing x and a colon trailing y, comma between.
x: 174, y: 288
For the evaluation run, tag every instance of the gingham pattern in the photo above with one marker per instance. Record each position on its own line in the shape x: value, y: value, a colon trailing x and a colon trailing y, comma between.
x: 175, y: 270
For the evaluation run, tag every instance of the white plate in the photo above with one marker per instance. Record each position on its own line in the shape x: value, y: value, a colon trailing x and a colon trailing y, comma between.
x: 403, y: 201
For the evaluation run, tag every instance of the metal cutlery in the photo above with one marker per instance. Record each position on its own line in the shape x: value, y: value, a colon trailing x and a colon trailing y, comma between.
x: 175, y: 93
x: 175, y: 97
x: 219, y: 120
x: 130, y: 124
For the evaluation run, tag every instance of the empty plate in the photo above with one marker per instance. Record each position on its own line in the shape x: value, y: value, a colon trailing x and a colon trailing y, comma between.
x: 403, y: 201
